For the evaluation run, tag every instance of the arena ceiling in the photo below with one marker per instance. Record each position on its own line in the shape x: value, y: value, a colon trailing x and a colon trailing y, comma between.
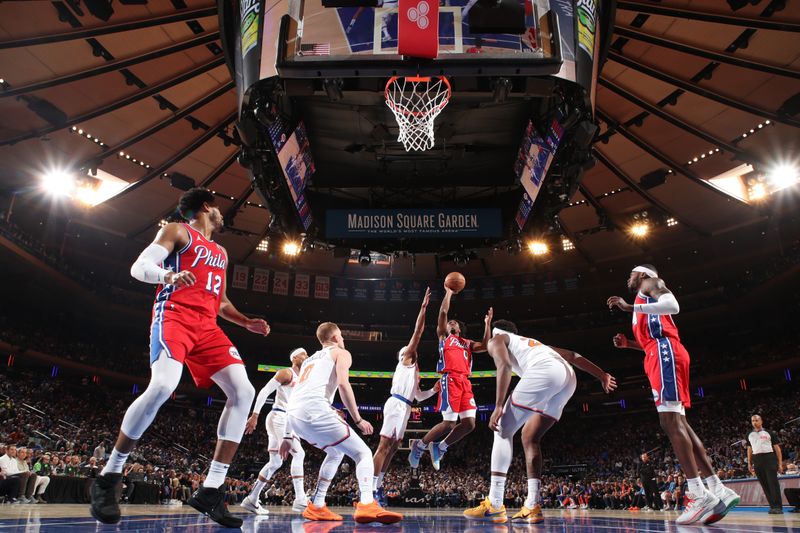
x: 691, y: 90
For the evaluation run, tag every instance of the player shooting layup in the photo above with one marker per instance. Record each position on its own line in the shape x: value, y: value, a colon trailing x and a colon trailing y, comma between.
x: 666, y: 363
x: 189, y: 269
x: 281, y: 384
x: 547, y: 382
x: 312, y: 417
x: 456, y: 400
x: 397, y: 409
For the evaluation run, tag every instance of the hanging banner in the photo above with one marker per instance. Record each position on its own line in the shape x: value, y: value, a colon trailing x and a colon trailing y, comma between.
x: 341, y: 289
x: 379, y: 291
x: 528, y: 285
x: 322, y: 287
x: 280, y: 283
x: 507, y: 288
x: 260, y: 280
x: 415, y: 291
x: 301, y: 285
x: 419, y: 223
x: 397, y: 291
x: 360, y: 290
x: 240, y: 275
x: 487, y: 289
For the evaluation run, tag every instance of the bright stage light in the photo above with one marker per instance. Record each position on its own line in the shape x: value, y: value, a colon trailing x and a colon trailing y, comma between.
x: 783, y: 175
x: 58, y: 182
x: 640, y: 229
x: 291, y: 248
x: 538, y: 247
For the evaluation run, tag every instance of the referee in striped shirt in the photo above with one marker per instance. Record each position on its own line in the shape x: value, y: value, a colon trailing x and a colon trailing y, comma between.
x: 764, y: 459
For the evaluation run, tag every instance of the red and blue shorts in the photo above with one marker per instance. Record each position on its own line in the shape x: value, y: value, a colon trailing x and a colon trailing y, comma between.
x: 189, y: 337
x: 666, y: 364
x: 455, y: 397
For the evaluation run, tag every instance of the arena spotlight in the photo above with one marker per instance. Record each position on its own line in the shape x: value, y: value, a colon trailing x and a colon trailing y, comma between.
x: 538, y: 247
x: 783, y: 175
x: 671, y: 222
x: 567, y: 245
x: 639, y: 230
x: 756, y: 191
x: 58, y: 182
x: 263, y: 246
x: 291, y: 248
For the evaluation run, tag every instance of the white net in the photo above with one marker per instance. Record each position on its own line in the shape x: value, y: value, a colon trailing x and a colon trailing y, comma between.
x: 416, y: 102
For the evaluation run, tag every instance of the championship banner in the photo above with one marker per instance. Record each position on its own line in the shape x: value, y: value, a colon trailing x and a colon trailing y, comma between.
x: 341, y: 289
x: 380, y: 291
x: 469, y: 292
x: 487, y: 289
x: 397, y: 291
x: 280, y: 283
x: 322, y: 287
x: 418, y: 28
x: 528, y: 285
x: 419, y: 223
x: 240, y: 275
x: 415, y: 291
x: 260, y: 280
x: 301, y: 285
x: 507, y: 288
x: 360, y: 290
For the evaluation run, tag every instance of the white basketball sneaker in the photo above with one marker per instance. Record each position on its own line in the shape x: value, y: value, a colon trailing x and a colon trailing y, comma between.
x: 728, y: 499
x: 255, y: 508
x: 699, y: 508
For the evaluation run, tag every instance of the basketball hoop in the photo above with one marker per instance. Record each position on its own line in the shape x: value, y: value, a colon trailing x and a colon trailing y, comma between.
x: 416, y: 102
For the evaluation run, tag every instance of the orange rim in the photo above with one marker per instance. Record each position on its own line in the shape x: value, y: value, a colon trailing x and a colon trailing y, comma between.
x: 426, y: 79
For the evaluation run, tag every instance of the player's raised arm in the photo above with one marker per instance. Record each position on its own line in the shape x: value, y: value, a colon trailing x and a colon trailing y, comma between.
x: 343, y: 362
x: 147, y: 267
x: 441, y: 324
x: 229, y: 312
x: 498, y: 349
x: 419, y: 327
x: 483, y: 344
x: 574, y: 358
x: 665, y: 303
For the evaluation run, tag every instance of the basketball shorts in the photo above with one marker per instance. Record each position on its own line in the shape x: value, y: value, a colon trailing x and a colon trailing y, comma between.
x: 395, y: 418
x: 666, y: 363
x: 455, y: 397
x: 276, y: 429
x: 319, y: 426
x: 191, y: 338
x: 545, y: 388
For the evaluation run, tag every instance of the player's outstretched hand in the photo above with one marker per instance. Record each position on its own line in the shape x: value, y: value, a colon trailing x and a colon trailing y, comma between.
x: 609, y: 383
x: 183, y: 278
x: 251, y: 424
x: 488, y: 318
x: 285, y: 448
x: 617, y: 301
x: 620, y: 341
x: 494, y: 420
x: 257, y: 325
x: 427, y: 298
x: 365, y: 427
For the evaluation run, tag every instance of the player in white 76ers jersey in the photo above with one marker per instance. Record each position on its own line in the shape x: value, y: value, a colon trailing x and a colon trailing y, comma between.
x: 312, y: 417
x: 405, y: 389
x: 546, y: 383
x: 281, y: 384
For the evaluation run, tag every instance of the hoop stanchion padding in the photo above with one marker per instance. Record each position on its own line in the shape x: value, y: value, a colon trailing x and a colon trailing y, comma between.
x: 416, y: 102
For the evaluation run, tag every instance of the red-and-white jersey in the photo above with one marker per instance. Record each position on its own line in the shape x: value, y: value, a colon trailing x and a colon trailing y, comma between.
x: 649, y: 329
x: 455, y: 356
x: 205, y: 259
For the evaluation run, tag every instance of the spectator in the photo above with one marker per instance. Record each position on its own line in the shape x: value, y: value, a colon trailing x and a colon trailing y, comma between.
x: 42, y: 470
x: 100, y: 451
x: 27, y: 479
x: 10, y: 480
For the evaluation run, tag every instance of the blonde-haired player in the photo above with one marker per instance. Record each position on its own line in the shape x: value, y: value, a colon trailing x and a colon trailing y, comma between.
x: 281, y: 384
x: 405, y: 389
x: 312, y: 417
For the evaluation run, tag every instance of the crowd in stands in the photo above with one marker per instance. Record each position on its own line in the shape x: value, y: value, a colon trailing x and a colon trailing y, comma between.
x: 67, y: 435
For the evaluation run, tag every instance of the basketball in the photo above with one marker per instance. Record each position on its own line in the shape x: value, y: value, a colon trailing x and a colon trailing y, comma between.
x: 455, y: 281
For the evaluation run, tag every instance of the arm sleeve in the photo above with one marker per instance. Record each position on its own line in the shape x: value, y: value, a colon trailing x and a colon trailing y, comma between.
x: 271, y: 386
x: 421, y: 395
x: 665, y: 305
x: 146, y: 267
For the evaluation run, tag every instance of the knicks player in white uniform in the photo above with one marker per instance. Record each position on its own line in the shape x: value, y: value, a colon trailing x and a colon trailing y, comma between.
x: 281, y: 384
x: 312, y: 417
x: 547, y: 382
x: 405, y: 389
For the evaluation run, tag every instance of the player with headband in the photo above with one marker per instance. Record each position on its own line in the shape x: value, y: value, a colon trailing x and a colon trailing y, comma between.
x: 281, y: 384
x: 666, y: 363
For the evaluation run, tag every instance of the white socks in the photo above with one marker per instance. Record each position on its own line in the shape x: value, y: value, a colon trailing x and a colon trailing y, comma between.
x: 534, y: 485
x: 695, y: 486
x: 299, y: 489
x: 216, y: 475
x: 321, y: 492
x: 497, y: 489
x: 115, y: 462
x: 257, y: 488
x: 378, y: 480
x: 714, y: 483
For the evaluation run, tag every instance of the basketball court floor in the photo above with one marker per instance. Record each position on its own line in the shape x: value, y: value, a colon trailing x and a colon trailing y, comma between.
x: 162, y: 518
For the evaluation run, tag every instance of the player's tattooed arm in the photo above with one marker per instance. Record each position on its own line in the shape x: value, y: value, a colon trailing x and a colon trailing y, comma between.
x: 229, y: 312
x: 441, y: 324
x: 481, y: 346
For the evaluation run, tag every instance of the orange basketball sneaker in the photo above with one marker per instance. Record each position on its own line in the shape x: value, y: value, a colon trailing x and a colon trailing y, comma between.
x: 313, y: 512
x: 372, y: 512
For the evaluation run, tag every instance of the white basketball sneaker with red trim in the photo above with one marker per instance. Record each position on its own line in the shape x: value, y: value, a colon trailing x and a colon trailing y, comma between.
x: 698, y: 509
